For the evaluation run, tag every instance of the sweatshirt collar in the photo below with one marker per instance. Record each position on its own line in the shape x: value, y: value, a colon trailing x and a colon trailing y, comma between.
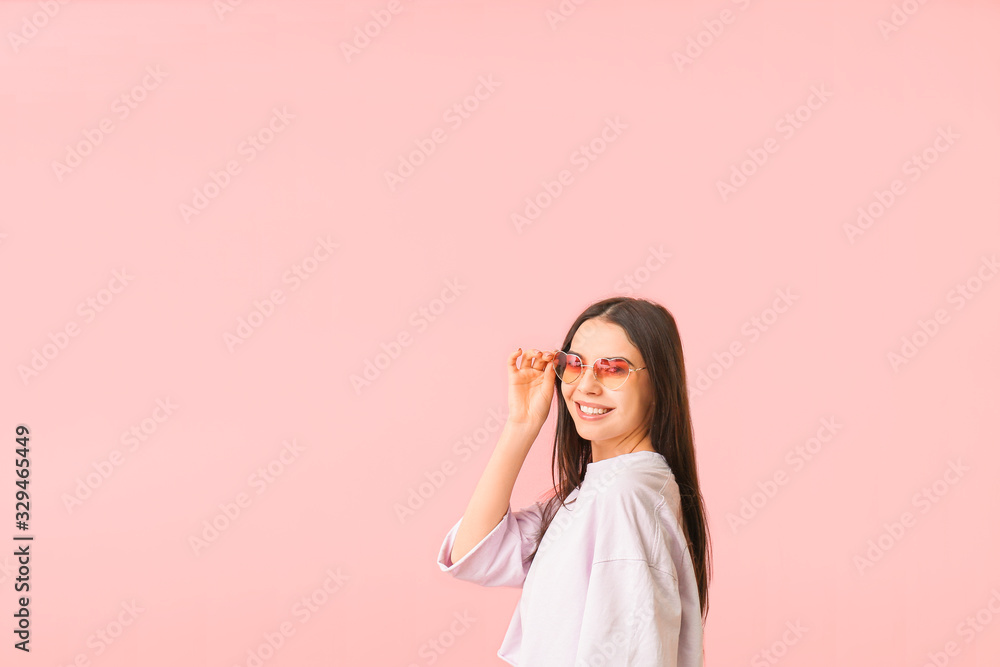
x: 630, y: 460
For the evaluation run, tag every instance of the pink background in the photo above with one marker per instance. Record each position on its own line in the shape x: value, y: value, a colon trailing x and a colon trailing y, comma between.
x: 362, y: 454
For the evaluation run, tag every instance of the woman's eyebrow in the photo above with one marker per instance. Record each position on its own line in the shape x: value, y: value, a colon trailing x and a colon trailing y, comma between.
x: 618, y: 356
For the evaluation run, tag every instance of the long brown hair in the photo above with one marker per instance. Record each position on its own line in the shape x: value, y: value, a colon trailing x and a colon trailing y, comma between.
x: 651, y: 328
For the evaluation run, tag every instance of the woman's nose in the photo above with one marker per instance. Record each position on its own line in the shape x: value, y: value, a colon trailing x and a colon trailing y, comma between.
x: 588, y: 381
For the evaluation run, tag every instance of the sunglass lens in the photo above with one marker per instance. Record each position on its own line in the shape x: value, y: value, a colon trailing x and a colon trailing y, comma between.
x: 612, y: 373
x: 568, y: 367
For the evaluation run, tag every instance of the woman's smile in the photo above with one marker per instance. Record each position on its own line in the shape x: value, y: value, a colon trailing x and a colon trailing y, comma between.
x: 590, y: 411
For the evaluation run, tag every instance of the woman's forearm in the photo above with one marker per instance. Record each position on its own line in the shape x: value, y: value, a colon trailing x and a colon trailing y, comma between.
x: 492, y: 495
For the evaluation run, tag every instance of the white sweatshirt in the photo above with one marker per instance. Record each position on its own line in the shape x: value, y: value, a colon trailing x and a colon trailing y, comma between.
x: 612, y: 583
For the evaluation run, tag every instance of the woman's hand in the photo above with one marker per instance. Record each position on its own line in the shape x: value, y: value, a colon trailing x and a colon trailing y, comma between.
x: 531, y: 386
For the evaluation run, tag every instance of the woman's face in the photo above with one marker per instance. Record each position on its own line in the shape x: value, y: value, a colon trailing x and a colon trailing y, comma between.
x: 625, y: 425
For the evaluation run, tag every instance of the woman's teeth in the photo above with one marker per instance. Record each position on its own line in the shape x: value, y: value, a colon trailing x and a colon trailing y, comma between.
x: 593, y: 411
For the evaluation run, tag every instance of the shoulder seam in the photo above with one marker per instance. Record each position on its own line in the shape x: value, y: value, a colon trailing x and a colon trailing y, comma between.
x: 656, y: 512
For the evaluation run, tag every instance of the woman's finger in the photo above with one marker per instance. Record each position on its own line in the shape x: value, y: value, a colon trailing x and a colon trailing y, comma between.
x: 512, y: 360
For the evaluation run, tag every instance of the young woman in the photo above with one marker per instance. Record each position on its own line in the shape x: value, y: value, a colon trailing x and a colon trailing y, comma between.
x: 615, y: 564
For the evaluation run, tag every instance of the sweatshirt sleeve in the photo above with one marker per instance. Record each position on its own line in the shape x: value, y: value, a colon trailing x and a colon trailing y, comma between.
x: 502, y: 557
x: 632, y: 616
